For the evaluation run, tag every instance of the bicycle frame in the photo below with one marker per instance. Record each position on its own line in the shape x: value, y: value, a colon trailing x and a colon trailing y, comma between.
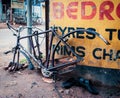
x: 61, y: 39
x: 49, y: 50
x: 51, y: 53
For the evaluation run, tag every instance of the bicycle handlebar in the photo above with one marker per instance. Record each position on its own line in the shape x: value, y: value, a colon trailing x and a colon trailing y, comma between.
x: 20, y: 28
x: 9, y: 26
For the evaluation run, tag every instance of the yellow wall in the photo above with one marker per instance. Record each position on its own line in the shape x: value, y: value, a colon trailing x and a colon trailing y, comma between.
x: 101, y: 15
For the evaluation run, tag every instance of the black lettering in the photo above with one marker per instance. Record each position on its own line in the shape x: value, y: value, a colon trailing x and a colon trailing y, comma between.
x: 66, y: 51
x: 117, y: 55
x: 56, y: 28
x: 71, y: 29
x: 62, y: 50
x: 110, y: 33
x: 73, y: 48
x: 63, y: 30
x: 79, y: 33
x: 80, y: 51
x: 57, y: 49
x: 95, y: 53
x: 107, y: 54
x: 90, y: 35
x: 119, y: 34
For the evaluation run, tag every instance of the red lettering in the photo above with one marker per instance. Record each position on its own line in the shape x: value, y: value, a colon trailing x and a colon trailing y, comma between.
x: 83, y: 7
x: 118, y: 10
x: 71, y: 10
x: 58, y: 10
x: 105, y: 9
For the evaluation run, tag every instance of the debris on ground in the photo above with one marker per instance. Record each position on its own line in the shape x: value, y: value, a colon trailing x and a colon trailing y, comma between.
x: 31, y: 84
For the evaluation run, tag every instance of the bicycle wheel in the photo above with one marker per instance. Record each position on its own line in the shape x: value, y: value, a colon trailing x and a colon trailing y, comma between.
x: 72, y: 56
x: 64, y: 56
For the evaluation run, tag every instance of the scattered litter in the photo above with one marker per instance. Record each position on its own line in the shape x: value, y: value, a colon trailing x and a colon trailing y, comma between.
x: 33, y: 84
x: 67, y: 92
x: 48, y: 80
x: 19, y: 72
x: 61, y: 90
x: 20, y: 96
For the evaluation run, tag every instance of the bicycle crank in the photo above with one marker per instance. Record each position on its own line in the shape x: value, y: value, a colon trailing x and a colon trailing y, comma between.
x: 46, y: 73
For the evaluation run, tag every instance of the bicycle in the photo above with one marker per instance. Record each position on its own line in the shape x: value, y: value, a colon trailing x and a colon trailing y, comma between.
x: 49, y: 66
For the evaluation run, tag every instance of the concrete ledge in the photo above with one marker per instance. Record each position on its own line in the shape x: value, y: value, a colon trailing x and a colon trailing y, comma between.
x: 102, y: 76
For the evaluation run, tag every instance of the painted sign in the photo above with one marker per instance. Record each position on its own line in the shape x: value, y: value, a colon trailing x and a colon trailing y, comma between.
x: 103, y: 16
x: 17, y: 3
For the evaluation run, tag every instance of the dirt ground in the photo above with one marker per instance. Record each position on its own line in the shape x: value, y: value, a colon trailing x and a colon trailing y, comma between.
x: 31, y: 84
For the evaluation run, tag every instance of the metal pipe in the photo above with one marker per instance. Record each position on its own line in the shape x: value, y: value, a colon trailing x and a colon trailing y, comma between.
x: 29, y: 22
x: 47, y: 24
x: 0, y: 10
